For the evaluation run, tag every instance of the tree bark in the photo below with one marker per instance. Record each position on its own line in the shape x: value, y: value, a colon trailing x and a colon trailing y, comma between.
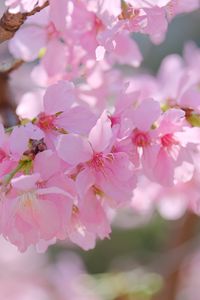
x: 10, y: 23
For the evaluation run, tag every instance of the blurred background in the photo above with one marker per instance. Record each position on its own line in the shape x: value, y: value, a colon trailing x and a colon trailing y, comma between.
x: 147, y: 256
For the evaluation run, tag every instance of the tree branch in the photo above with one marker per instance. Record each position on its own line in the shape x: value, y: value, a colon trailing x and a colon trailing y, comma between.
x: 7, y: 107
x: 181, y: 236
x: 10, y: 23
x: 8, y: 66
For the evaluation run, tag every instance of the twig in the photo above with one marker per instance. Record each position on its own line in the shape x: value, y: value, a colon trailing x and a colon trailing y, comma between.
x: 7, y: 107
x: 10, y: 23
x: 8, y: 114
x: 8, y: 66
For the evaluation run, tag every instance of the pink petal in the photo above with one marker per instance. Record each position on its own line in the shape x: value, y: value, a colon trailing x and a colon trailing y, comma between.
x: 58, y: 97
x: 184, y: 172
x: 84, y: 181
x: 149, y: 158
x: 54, y: 65
x: 78, y: 120
x: 101, y: 134
x: 20, y: 137
x: 117, y: 193
x: 47, y: 163
x: 188, y: 135
x: 82, y: 238
x: 27, y: 43
x: 73, y: 149
x: 18, y: 141
x: 171, y: 121
x: 100, y: 53
x: 122, y: 168
x: 58, y: 13
x: 33, y: 132
x: 94, y: 217
x: 127, y: 50
x: 190, y: 99
x: 164, y: 169
x: 25, y: 182
x: 146, y: 114
x: 44, y: 212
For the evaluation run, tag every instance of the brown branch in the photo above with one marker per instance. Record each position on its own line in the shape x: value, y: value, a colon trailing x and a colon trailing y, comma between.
x: 181, y: 236
x: 8, y: 114
x: 7, y: 107
x: 8, y: 66
x: 10, y: 23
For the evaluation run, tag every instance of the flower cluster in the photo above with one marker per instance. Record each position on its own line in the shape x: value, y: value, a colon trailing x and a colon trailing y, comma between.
x: 97, y: 143
x: 82, y: 31
x: 61, y: 173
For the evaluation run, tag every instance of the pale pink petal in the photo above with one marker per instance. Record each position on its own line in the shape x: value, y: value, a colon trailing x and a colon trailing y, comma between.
x: 184, y: 172
x: 55, y: 65
x: 33, y: 132
x: 47, y: 218
x: 54, y: 190
x: 27, y: 43
x: 58, y: 13
x: 47, y: 163
x: 121, y: 166
x: 149, y: 157
x: 146, y: 114
x: 82, y: 238
x: 117, y: 193
x: 73, y: 149
x: 156, y: 23
x: 188, y: 135
x: 59, y: 97
x: 100, y: 53
x: 30, y: 105
x: 164, y: 169
x: 84, y: 181
x: 78, y: 120
x: 20, y: 137
x: 18, y: 141
x: 94, y: 217
x: 110, y: 8
x: 101, y: 134
x: 43, y: 245
x: 126, y: 50
x: 25, y: 182
x: 190, y: 99
x: 171, y: 121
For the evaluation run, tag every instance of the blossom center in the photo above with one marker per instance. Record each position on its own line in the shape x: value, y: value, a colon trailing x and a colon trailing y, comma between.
x: 98, y: 24
x: 141, y: 139
x: 2, y: 155
x: 168, y: 140
x: 46, y: 121
x: 27, y: 198
x: 52, y: 31
x: 114, y: 120
x: 97, y: 161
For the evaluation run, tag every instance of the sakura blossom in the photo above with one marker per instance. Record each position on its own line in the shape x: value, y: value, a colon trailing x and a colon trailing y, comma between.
x: 91, y: 138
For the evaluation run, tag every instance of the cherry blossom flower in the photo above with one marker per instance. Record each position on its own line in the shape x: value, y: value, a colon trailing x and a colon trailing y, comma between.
x: 33, y: 202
